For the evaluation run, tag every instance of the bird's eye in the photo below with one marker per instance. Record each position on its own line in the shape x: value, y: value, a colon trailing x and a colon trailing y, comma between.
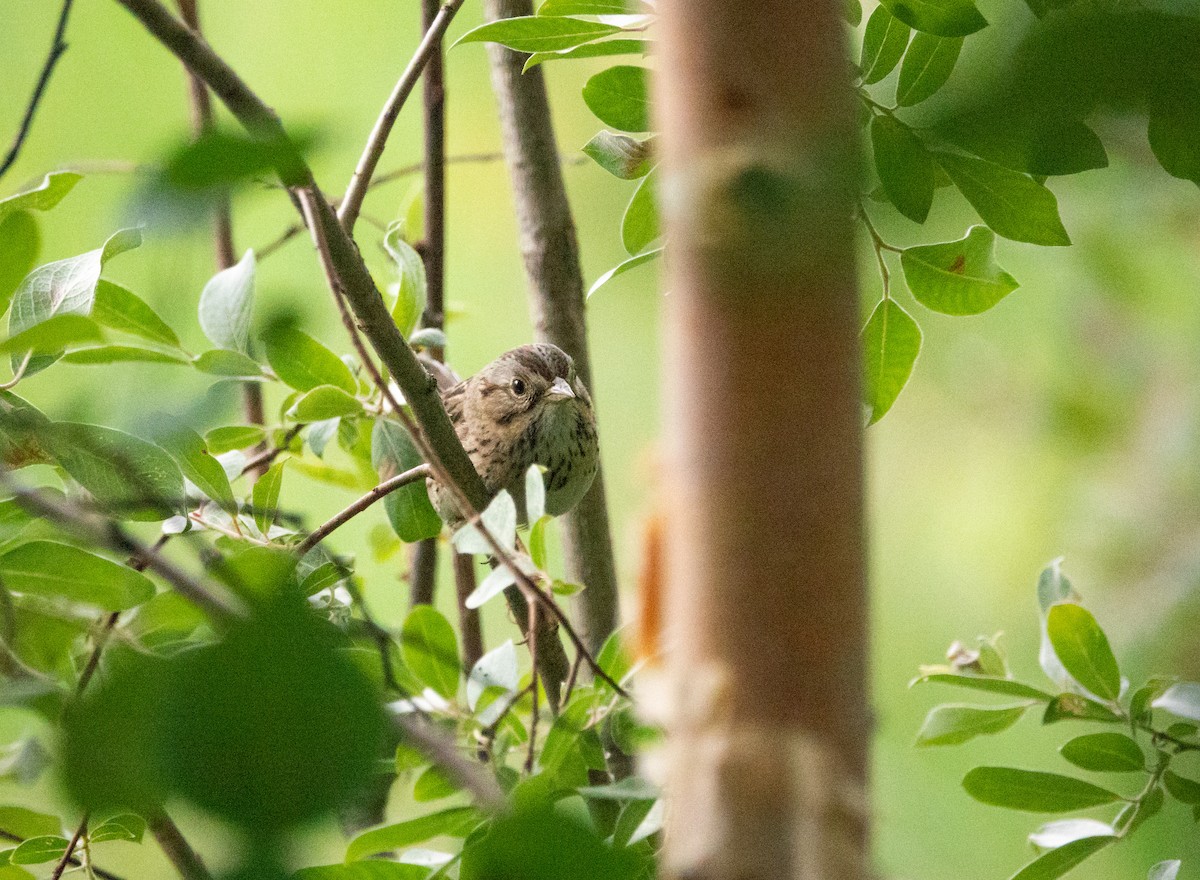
x: 518, y: 387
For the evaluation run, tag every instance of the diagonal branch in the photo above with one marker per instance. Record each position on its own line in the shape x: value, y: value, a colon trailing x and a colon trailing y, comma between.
x: 319, y: 534
x: 356, y: 283
x: 431, y: 44
x: 56, y: 51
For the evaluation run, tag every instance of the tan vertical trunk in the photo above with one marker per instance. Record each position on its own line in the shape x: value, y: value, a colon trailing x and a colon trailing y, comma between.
x: 765, y: 599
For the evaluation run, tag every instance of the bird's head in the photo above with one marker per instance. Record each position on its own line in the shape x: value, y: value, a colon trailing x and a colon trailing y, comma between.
x: 522, y: 386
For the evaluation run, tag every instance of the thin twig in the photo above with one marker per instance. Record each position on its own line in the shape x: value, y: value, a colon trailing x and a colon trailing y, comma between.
x: 108, y: 534
x: 57, y: 48
x: 202, y: 124
x: 572, y: 677
x: 267, y: 456
x: 5, y: 834
x: 530, y: 753
x: 70, y: 850
x: 357, y: 191
x: 468, y: 775
x: 176, y: 847
x: 317, y: 535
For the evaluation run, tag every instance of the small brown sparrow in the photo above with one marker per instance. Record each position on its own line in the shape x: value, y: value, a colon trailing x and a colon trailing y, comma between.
x: 526, y: 407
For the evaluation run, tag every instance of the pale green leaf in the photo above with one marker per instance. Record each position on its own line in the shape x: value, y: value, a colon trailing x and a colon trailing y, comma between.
x: 48, y: 568
x: 412, y: 290
x: 226, y: 305
x: 1182, y: 699
x: 623, y: 267
x: 1034, y: 791
x: 619, y: 97
x: 124, y: 354
x: 430, y: 650
x: 187, y: 448
x: 1059, y: 861
x: 603, y: 49
x: 891, y: 342
x: 20, y: 245
x: 1083, y: 649
x: 303, y: 363
x: 639, y: 225
x: 123, y: 310
x: 265, y: 496
x: 454, y: 822
x: 957, y: 277
x: 324, y: 402
x: 231, y: 437
x: 952, y: 724
x: 408, y: 509
x: 946, y: 18
x: 619, y: 154
x: 1107, y: 752
x: 533, y: 33
x: 1012, y: 204
x: 223, y: 362
x: 44, y: 196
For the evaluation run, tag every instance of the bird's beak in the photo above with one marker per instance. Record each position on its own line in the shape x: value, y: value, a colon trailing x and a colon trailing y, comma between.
x: 560, y: 390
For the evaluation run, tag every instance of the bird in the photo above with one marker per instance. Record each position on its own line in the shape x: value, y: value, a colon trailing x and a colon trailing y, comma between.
x: 528, y: 406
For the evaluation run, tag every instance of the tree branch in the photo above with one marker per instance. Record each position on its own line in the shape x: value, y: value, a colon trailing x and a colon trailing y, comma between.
x: 430, y: 44
x: 103, y: 533
x: 319, y: 534
x: 176, y: 848
x: 473, y: 777
x: 556, y: 295
x: 74, y: 862
x: 349, y: 271
x: 57, y: 48
x: 202, y: 124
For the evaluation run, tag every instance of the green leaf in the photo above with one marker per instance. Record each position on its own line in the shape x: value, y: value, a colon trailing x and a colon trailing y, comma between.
x: 44, y: 196
x: 303, y: 363
x: 952, y: 724
x: 583, y: 7
x: 47, y: 568
x: 63, y: 287
x: 455, y: 822
x: 26, y: 823
x: 604, y: 49
x: 123, y: 354
x: 370, y: 870
x: 957, y: 277
x: 133, y: 478
x: 987, y: 683
x: 619, y: 154
x: 20, y: 245
x: 623, y: 267
x: 1011, y: 203
x: 946, y: 18
x: 631, y: 788
x: 534, y: 33
x: 1076, y: 707
x: 408, y: 509
x: 412, y: 292
x: 37, y: 850
x: 905, y: 167
x: 884, y: 42
x: 1182, y: 699
x: 430, y: 651
x: 265, y: 497
x: 619, y: 97
x: 1184, y: 790
x: 927, y: 65
x: 1175, y: 136
x: 123, y: 310
x: 233, y: 364
x: 1108, y: 752
x: 434, y: 784
x: 226, y: 306
x: 126, y: 826
x: 891, y: 342
x: 231, y: 437
x: 1034, y: 791
x: 324, y: 402
x: 1083, y: 649
x: 53, y: 335
x: 187, y: 448
x: 1059, y: 861
x: 639, y: 226
x: 852, y: 12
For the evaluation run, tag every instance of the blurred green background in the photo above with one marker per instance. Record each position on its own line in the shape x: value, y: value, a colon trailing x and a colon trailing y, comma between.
x: 1066, y: 421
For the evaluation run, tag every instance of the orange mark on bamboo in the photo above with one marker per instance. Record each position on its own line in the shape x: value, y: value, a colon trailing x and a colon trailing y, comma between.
x: 650, y: 590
